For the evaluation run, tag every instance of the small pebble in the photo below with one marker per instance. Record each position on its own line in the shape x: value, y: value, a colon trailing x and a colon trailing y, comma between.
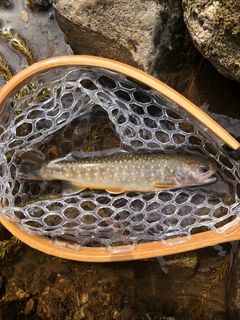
x: 126, y: 313
x: 29, y: 306
x: 51, y: 16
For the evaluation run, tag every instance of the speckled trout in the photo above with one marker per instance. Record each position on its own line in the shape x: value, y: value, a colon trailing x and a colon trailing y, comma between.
x: 121, y: 172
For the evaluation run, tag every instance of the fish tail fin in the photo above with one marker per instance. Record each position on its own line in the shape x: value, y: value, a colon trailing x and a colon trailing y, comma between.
x: 30, y: 164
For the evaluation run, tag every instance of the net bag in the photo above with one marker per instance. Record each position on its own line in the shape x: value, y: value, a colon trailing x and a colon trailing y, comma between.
x: 92, y: 105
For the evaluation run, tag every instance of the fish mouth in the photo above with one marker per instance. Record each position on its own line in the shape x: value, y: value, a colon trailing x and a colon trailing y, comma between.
x: 210, y: 180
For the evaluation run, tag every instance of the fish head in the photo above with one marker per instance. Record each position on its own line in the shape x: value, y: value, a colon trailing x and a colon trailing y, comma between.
x: 196, y: 171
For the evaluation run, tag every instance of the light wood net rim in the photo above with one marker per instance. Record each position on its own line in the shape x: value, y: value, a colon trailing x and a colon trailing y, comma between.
x: 141, y: 251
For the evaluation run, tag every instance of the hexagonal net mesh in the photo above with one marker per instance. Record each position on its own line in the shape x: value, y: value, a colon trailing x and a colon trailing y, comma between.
x: 90, y: 109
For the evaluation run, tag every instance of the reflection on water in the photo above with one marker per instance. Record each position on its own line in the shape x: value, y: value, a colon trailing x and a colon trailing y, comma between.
x: 228, y: 123
x: 38, y: 28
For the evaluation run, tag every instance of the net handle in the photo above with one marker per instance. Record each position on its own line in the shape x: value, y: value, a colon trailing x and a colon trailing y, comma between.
x: 21, y: 78
x: 141, y: 251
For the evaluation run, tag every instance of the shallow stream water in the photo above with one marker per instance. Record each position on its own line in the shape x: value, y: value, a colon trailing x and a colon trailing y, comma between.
x: 37, y: 27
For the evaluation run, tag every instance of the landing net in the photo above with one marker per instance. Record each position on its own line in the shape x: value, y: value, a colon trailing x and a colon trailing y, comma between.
x: 90, y: 109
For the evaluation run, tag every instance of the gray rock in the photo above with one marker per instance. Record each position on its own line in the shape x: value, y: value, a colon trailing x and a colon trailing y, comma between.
x: 215, y: 30
x: 148, y: 34
x: 134, y: 32
x: 117, y: 29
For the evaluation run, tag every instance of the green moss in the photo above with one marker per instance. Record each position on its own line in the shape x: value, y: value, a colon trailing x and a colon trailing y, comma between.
x: 7, y: 245
x: 188, y: 7
x: 227, y: 15
x: 19, y: 43
x: 5, y: 70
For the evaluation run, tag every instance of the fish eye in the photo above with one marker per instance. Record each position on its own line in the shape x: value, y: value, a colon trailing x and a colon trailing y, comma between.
x: 204, y: 168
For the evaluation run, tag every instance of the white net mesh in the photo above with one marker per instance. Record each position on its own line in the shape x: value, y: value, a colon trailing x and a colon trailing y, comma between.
x: 87, y: 109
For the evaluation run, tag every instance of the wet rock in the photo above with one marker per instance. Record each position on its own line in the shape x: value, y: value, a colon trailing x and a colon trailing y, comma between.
x: 215, y: 31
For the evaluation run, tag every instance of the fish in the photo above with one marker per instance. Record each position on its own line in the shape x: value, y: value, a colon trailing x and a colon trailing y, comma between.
x: 122, y: 172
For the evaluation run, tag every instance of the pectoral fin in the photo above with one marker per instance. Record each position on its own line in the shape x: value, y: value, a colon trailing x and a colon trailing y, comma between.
x: 164, y: 186
x: 71, y: 189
